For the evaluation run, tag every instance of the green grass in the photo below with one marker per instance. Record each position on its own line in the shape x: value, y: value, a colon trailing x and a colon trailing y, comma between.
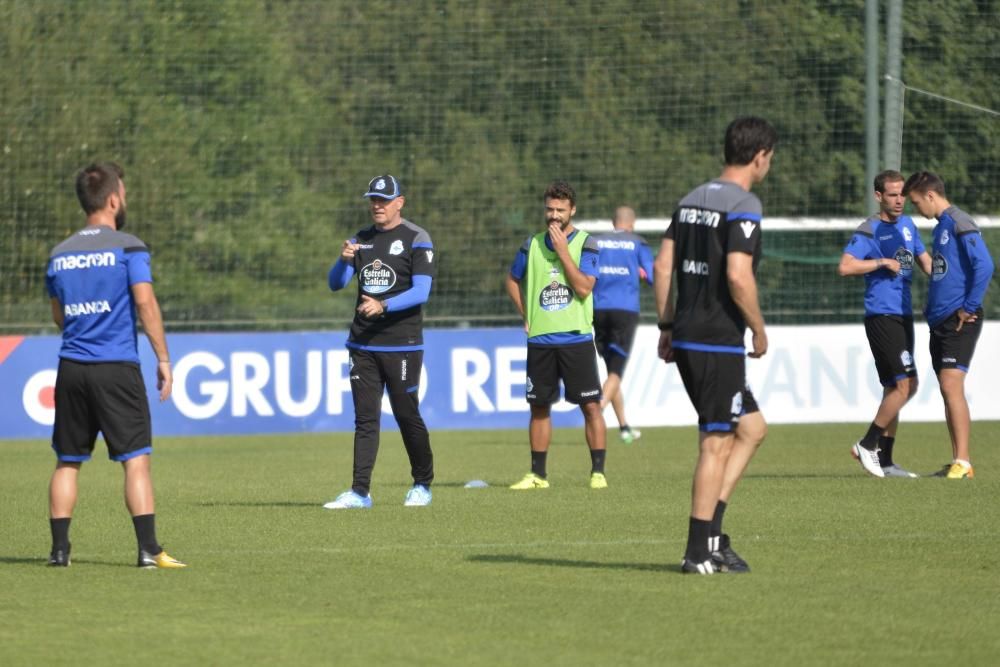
x: 847, y: 570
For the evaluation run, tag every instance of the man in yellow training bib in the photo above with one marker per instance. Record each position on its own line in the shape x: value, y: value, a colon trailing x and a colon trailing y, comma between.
x: 551, y: 284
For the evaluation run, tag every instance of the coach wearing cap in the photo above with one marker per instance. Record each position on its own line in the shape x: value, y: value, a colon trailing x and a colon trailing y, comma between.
x: 394, y: 262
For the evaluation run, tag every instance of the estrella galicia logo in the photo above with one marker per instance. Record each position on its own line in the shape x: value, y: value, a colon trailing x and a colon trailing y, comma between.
x: 905, y: 259
x: 939, y: 267
x: 377, y: 277
x: 396, y: 248
x: 555, y: 297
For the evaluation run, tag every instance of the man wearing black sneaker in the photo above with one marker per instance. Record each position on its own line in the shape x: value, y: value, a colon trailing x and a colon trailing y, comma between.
x: 99, y: 280
x: 713, y: 242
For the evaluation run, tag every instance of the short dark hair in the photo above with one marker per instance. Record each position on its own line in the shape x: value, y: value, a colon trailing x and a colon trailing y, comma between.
x: 887, y: 176
x: 924, y: 182
x: 560, y: 190
x: 747, y: 136
x: 95, y: 183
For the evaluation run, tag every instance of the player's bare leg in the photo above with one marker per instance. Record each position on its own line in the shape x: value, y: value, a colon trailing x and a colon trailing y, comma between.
x: 952, y: 382
x: 540, y: 428
x: 750, y: 432
x: 596, y: 432
x: 714, y: 450
x: 63, y: 490
x: 138, y: 486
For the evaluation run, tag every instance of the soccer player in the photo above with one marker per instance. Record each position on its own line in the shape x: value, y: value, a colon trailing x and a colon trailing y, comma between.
x: 394, y: 262
x: 557, y: 269
x: 99, y: 279
x: 884, y: 249
x: 624, y: 260
x: 713, y: 242
x: 961, y: 271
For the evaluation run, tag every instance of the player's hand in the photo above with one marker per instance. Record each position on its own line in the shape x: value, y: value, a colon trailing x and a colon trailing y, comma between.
x: 759, y: 342
x: 369, y: 307
x: 665, y: 348
x: 558, y: 237
x: 891, y: 265
x: 963, y: 317
x: 348, y: 250
x: 164, y: 379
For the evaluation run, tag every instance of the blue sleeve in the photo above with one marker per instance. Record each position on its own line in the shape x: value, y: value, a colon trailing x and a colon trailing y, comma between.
x: 520, y: 264
x: 416, y: 295
x: 982, y: 270
x: 340, y: 275
x: 139, y: 270
x: 589, y: 264
x: 646, y: 262
x: 861, y: 247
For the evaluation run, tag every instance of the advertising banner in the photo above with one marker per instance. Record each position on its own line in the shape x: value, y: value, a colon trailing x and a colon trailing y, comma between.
x: 242, y: 383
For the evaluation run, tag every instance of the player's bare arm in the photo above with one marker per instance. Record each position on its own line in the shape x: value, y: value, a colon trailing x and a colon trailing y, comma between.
x: 514, y: 292
x: 148, y: 310
x: 924, y: 262
x: 852, y: 266
x: 663, y: 268
x: 57, y: 313
x: 743, y: 287
x: 581, y: 283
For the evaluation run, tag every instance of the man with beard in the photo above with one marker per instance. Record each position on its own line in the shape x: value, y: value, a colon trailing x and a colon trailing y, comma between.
x: 557, y: 269
x: 99, y: 280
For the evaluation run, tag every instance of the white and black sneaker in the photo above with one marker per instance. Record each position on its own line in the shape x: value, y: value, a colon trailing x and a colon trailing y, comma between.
x: 868, y: 458
x: 704, y: 567
x: 724, y: 558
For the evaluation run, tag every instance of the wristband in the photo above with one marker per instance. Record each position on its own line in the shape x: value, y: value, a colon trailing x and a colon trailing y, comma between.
x: 665, y: 326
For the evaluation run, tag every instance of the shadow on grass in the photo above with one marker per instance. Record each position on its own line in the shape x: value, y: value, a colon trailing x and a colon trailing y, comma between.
x: 43, y: 561
x: 518, y: 559
x: 261, y: 503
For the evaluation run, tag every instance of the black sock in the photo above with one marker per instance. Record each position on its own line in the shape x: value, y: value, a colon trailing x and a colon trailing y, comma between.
x: 885, y: 444
x: 360, y: 491
x: 870, y: 441
x: 720, y: 511
x: 697, y: 546
x: 597, y: 460
x: 60, y: 533
x: 624, y: 428
x: 145, y: 533
x: 538, y: 463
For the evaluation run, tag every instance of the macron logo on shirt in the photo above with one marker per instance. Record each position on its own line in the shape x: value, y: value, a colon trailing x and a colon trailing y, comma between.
x: 83, y: 261
x: 747, y: 228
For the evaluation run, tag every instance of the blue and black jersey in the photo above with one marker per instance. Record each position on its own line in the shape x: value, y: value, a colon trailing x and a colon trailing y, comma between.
x: 395, y: 266
x: 91, y: 274
x: 588, y: 265
x: 624, y: 258
x: 887, y: 293
x: 962, y: 266
x: 713, y: 220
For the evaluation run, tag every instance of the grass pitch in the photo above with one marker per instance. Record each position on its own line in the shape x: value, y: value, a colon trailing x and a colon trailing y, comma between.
x: 847, y: 569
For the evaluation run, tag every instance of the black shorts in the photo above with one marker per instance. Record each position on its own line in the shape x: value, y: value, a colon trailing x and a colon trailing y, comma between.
x: 891, y: 340
x: 716, y: 384
x: 614, y: 331
x: 954, y: 349
x: 574, y: 364
x: 109, y: 398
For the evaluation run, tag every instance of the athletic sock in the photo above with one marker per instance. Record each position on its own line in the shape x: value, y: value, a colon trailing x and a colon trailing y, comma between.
x: 597, y: 460
x: 60, y: 533
x: 720, y: 511
x: 885, y: 444
x: 360, y: 491
x: 145, y: 533
x: 870, y: 441
x: 538, y: 463
x: 624, y: 428
x: 697, y: 546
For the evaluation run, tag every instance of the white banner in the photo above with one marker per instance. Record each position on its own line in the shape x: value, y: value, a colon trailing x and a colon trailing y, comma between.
x: 809, y: 374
